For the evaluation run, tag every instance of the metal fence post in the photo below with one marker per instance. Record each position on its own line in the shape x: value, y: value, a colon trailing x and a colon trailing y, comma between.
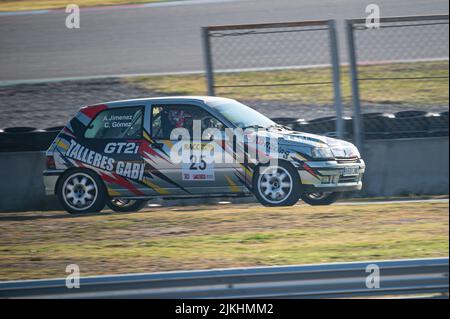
x: 208, y: 61
x: 357, y: 123
x: 334, y: 52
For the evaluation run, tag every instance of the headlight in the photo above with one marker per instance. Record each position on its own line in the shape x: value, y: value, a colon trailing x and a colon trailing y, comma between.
x: 321, y: 152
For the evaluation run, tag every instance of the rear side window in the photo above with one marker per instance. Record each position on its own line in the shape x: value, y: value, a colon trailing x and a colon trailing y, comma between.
x: 116, y: 123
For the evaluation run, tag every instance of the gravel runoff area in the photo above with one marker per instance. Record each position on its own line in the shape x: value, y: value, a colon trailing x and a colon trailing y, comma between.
x: 50, y: 104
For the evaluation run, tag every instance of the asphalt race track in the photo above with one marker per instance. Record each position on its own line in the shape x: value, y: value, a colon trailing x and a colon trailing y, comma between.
x: 155, y: 39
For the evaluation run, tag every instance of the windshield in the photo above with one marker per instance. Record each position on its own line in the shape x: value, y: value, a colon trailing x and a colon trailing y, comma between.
x: 241, y: 115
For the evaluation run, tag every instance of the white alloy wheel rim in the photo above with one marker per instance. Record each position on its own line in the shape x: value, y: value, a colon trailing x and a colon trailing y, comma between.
x: 80, y: 191
x: 275, y: 184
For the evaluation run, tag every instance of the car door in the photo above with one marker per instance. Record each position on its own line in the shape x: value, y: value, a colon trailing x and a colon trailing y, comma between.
x: 193, y: 172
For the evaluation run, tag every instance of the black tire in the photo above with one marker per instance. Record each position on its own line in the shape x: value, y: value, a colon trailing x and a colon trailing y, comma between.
x: 320, y: 198
x: 80, y: 191
x: 293, y: 194
x: 126, y: 205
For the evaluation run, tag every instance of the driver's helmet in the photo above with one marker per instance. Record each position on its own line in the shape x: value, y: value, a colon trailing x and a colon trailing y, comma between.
x: 179, y: 118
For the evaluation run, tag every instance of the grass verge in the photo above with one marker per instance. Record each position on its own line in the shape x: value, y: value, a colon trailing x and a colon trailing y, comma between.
x: 25, y: 5
x: 41, y: 244
x: 422, y: 91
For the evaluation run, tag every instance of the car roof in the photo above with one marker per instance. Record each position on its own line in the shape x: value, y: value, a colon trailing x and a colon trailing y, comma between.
x: 168, y: 99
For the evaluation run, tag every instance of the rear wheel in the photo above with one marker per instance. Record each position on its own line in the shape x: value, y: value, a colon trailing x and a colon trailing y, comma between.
x: 277, y: 185
x: 81, y: 191
x: 125, y: 205
x: 320, y: 198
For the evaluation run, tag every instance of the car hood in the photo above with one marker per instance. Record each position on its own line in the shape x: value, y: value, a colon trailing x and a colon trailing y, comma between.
x: 289, y: 138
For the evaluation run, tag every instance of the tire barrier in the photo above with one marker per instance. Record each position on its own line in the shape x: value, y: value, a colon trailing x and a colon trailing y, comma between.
x: 19, y: 129
x: 324, y: 126
x: 286, y: 121
x: 438, y: 124
x: 404, y: 124
x: 376, y: 125
x: 19, y: 139
x: 409, y: 124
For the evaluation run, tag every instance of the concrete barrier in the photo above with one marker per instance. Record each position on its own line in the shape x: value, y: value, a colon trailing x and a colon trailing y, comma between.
x: 394, y: 168
x: 406, y: 166
x: 22, y: 186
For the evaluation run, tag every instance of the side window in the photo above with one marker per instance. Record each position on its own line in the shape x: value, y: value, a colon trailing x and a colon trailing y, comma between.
x: 116, y: 123
x: 166, y: 118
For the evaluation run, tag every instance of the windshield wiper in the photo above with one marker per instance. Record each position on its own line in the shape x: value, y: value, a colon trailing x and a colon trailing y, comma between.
x: 255, y: 126
x: 278, y: 126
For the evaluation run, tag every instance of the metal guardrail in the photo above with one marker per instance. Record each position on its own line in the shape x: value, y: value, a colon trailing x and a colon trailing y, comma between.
x: 336, y: 280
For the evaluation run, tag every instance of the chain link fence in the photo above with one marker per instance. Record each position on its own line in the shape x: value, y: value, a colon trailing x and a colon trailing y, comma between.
x: 398, y: 83
x: 288, y: 71
x: 399, y: 74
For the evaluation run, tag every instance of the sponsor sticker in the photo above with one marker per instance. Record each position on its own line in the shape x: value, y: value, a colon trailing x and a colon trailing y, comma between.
x: 197, y: 169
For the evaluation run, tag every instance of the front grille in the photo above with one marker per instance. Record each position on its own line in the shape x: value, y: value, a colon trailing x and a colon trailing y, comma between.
x: 348, y: 179
x: 342, y: 160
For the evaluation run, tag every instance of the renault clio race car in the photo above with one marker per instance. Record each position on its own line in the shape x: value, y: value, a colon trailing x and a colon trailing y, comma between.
x: 124, y: 153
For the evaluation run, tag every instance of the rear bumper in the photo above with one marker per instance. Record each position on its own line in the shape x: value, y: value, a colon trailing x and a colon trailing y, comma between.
x: 50, y: 180
x: 331, y: 176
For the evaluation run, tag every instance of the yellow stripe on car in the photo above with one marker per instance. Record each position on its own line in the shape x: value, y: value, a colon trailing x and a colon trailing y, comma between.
x: 234, y: 188
x: 62, y: 144
x: 156, y: 188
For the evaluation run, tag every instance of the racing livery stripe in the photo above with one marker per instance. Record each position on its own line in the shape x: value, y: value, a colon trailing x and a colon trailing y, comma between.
x: 92, y: 111
x: 309, y: 170
x: 116, y: 179
x: 113, y: 192
x: 156, y: 188
x: 157, y: 173
x: 147, y: 136
x: 234, y: 188
x: 147, y: 150
x: 112, y: 178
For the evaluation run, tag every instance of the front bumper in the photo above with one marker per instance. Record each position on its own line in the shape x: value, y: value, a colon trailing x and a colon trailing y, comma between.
x: 50, y: 180
x: 332, y: 176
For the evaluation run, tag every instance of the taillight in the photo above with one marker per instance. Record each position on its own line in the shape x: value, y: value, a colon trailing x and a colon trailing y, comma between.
x: 50, y: 162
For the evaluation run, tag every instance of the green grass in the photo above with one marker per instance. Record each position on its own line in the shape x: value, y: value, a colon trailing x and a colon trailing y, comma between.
x: 24, y: 5
x: 41, y: 244
x: 396, y: 92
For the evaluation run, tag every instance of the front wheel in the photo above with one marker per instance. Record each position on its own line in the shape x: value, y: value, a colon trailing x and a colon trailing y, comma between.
x: 277, y: 185
x: 125, y: 205
x: 320, y: 198
x: 81, y: 191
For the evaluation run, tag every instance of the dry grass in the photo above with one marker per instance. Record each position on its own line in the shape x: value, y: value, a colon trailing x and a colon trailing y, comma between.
x: 41, y: 244
x: 419, y: 92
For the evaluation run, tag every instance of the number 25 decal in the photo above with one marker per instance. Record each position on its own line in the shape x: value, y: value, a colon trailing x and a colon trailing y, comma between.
x: 195, y: 165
